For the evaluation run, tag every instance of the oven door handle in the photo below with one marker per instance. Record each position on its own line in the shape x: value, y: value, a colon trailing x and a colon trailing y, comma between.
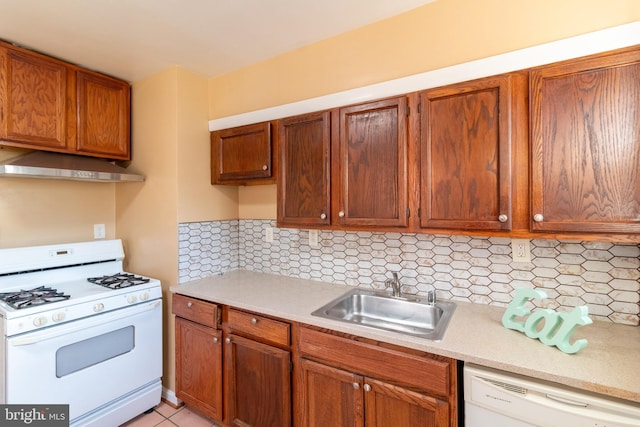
x: 74, y: 326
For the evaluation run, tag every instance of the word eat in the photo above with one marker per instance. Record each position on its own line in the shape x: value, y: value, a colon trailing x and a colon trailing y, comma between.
x: 557, y: 328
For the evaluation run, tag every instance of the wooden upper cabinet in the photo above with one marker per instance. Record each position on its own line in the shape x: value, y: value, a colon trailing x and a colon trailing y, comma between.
x: 242, y: 155
x: 33, y: 100
x: 370, y: 164
x: 304, y: 144
x: 50, y: 105
x: 585, y: 143
x: 103, y: 116
x: 466, y: 141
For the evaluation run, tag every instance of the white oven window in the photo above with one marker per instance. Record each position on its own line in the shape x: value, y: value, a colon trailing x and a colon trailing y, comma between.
x: 83, y: 354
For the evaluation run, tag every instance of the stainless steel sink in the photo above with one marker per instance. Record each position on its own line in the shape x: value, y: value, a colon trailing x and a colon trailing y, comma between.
x: 380, y: 310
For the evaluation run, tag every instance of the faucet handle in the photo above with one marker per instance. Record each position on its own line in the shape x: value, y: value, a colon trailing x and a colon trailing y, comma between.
x: 431, y: 297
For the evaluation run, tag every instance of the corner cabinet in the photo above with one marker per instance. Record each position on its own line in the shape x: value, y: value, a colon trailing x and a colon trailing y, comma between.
x: 50, y: 105
x: 258, y: 370
x: 242, y: 155
x: 468, y: 141
x: 370, y: 161
x: 585, y: 144
x: 198, y: 355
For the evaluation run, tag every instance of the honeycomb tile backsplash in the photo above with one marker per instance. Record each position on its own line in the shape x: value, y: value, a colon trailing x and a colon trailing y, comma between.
x: 605, y: 276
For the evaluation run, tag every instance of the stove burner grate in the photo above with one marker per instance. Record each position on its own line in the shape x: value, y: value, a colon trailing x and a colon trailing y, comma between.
x: 117, y: 281
x: 36, y: 296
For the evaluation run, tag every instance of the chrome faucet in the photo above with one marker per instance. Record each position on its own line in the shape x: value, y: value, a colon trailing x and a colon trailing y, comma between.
x: 395, y: 285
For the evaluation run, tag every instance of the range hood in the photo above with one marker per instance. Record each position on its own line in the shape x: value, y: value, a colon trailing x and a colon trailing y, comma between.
x: 46, y: 165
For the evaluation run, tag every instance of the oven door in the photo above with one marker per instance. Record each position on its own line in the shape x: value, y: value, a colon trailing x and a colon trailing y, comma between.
x: 86, y: 363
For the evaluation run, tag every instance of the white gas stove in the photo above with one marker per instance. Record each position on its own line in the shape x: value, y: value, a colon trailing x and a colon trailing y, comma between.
x: 71, y: 312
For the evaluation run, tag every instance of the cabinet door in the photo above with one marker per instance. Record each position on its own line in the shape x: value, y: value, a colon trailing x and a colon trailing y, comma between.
x: 33, y: 100
x: 330, y: 396
x: 103, y: 116
x: 387, y: 405
x: 372, y: 164
x: 585, y: 144
x: 241, y: 154
x: 303, y: 188
x: 258, y: 384
x: 465, y: 155
x: 199, y: 367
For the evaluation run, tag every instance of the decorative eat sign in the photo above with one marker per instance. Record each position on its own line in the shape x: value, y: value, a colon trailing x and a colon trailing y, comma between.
x: 557, y: 328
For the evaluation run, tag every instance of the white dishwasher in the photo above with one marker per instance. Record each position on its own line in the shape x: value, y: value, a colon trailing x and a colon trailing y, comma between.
x: 499, y: 399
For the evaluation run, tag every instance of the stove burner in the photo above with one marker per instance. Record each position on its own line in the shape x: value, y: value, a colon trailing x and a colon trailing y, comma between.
x: 117, y: 281
x: 36, y: 296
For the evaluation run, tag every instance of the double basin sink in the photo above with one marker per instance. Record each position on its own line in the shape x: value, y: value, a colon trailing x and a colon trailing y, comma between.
x: 406, y: 315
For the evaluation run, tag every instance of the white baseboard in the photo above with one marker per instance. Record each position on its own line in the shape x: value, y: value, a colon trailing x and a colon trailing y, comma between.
x: 170, y: 396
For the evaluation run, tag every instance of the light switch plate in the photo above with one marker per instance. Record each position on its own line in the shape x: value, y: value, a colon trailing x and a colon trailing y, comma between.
x: 268, y: 234
x: 520, y: 250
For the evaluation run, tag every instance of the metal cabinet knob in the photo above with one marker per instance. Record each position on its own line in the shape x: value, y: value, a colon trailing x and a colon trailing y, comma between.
x: 227, y: 340
x: 254, y: 320
x: 341, y: 214
x: 367, y: 387
x: 265, y: 167
x: 356, y: 386
x: 538, y: 218
x: 503, y: 218
x: 189, y: 304
x: 215, y: 340
x: 323, y: 215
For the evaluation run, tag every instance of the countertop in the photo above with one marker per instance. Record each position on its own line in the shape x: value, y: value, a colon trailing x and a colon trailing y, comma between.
x: 609, y: 364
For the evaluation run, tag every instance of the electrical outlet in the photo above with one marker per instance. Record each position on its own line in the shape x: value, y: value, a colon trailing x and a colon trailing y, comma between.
x: 313, y: 238
x: 268, y: 234
x: 520, y: 250
x: 99, y: 231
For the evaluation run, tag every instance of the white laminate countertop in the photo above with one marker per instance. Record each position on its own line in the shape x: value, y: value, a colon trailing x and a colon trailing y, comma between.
x: 609, y: 364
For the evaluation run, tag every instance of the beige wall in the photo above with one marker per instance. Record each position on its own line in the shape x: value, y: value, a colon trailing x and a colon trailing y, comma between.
x: 437, y: 35
x: 171, y: 148
x: 41, y: 212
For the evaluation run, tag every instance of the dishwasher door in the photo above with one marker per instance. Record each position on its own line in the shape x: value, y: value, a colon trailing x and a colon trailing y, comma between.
x: 499, y: 399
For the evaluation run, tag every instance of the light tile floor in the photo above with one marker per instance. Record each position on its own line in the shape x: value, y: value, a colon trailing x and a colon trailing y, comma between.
x: 165, y: 415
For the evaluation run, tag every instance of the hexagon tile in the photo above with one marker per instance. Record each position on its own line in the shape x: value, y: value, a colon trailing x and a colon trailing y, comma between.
x: 605, y: 276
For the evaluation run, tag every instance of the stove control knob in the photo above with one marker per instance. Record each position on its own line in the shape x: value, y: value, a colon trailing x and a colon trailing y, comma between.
x: 40, y: 321
x: 98, y: 307
x: 58, y: 317
x: 131, y: 299
x: 144, y: 296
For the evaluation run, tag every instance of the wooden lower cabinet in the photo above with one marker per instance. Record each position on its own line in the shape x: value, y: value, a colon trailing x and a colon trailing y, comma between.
x: 334, y: 380
x: 336, y: 397
x: 258, y: 384
x: 198, y: 355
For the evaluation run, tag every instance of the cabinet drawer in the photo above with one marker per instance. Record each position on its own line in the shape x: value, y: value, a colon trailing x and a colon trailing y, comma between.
x: 424, y: 373
x: 260, y: 327
x: 196, y: 310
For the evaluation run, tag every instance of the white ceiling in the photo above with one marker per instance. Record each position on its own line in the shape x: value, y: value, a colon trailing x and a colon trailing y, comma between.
x: 132, y: 39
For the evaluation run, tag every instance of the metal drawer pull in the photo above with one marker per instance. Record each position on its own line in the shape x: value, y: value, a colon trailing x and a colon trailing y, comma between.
x: 254, y: 320
x: 227, y: 340
x: 538, y: 218
x: 341, y: 214
x: 503, y: 218
x: 367, y: 387
x: 356, y: 386
x: 265, y: 167
x: 189, y: 304
x: 323, y: 216
x: 215, y: 340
